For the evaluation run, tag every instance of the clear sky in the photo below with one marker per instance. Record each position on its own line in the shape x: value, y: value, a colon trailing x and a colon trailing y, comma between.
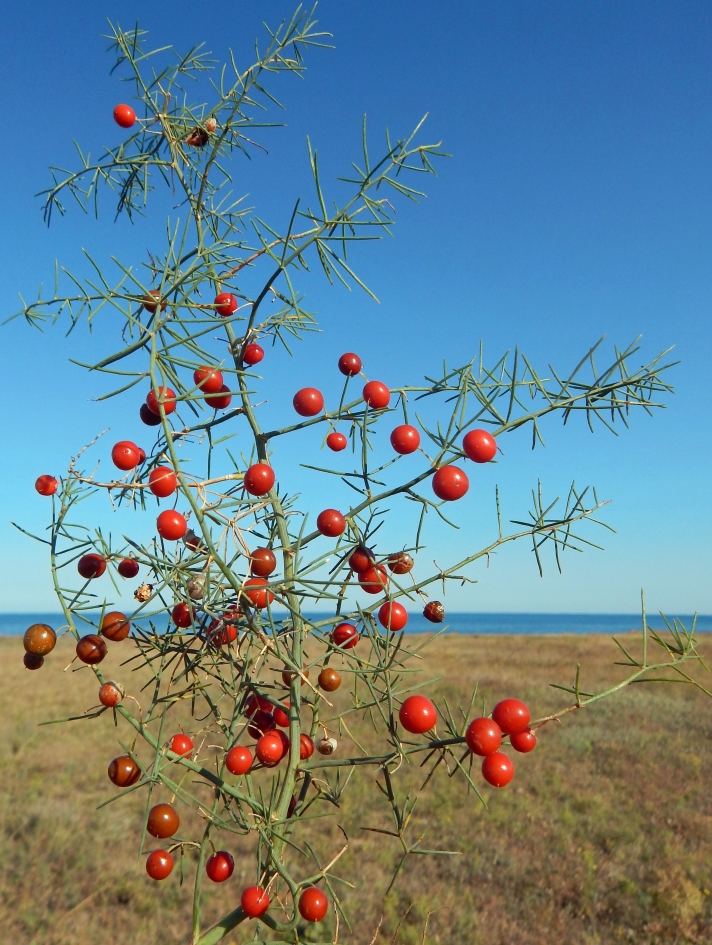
x: 576, y: 204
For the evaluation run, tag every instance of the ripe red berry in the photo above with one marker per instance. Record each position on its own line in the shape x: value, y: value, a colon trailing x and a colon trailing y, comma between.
x: 434, y: 611
x: 405, y: 439
x: 523, y: 741
x: 128, y: 568
x: 124, y: 116
x: 163, y: 821
x: 181, y: 744
x: 331, y: 523
x: 376, y: 395
x: 417, y: 715
x: 450, y: 483
x: 221, y: 400
x: 254, y: 901
x: 306, y: 747
x: 141, y: 455
x: 281, y: 715
x: 32, y: 660
x: 151, y: 301
x: 360, y: 561
x: 46, y: 485
x: 225, y: 304
x: 270, y: 749
x: 171, y: 525
x: 123, y: 771
x: 163, y: 395
x: 512, y: 716
x: 483, y: 737
x: 263, y: 561
x: 162, y: 481
x: 313, y: 904
x: 220, y: 866
x: 336, y: 441
x: 221, y: 632
x: 148, y: 416
x: 479, y: 446
x: 125, y: 455
x: 261, y: 723
x: 345, y: 635
x: 256, y: 592
x: 252, y: 354
x: 182, y: 615
x: 39, y: 639
x: 374, y: 580
x: 254, y: 704
x: 159, y: 864
x: 308, y: 402
x: 350, y: 364
x: 111, y: 694
x: 91, y: 566
x: 393, y: 616
x: 115, y: 626
x: 497, y: 769
x: 91, y: 649
x: 238, y: 760
x: 259, y: 479
x: 208, y: 379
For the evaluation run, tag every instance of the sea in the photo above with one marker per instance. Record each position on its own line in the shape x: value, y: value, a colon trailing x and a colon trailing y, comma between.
x: 473, y: 623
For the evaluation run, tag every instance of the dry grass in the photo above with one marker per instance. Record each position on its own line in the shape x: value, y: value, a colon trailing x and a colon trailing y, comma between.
x: 603, y: 836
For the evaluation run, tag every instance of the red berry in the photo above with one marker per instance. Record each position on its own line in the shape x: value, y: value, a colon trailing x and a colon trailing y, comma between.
x: 345, y: 635
x: 148, y: 416
x: 306, y: 747
x: 182, y: 615
x: 151, y: 301
x: 221, y: 400
x: 225, y: 304
x: 46, y: 485
x: 111, y: 694
x: 259, y: 479
x: 523, y: 741
x: 313, y: 904
x: 261, y: 723
x: 255, y: 704
x: 270, y: 749
x: 252, y: 354
x: 308, y: 402
x: 91, y: 566
x: 360, y: 561
x: 123, y: 771
x: 220, y: 866
x: 263, y: 561
x: 450, y: 483
x: 417, y: 715
x: 91, y: 649
x: 479, y: 446
x: 350, y: 364
x: 376, y: 395
x: 483, y: 737
x: 128, y: 568
x: 159, y: 864
x: 39, y: 639
x: 125, y: 455
x: 171, y: 525
x: 393, y: 616
x: 405, y: 439
x: 181, y: 745
x: 124, y: 116
x: 497, y: 769
x: 221, y: 632
x: 336, y: 441
x: 163, y: 821
x: 208, y: 379
x: 256, y: 592
x: 115, y: 626
x: 512, y: 716
x: 238, y: 760
x: 331, y: 523
x: 281, y: 715
x: 163, y: 395
x: 162, y: 481
x: 374, y: 580
x: 254, y: 901
x: 141, y: 455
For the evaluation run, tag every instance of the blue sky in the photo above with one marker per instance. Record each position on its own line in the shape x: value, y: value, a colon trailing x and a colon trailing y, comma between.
x: 576, y: 204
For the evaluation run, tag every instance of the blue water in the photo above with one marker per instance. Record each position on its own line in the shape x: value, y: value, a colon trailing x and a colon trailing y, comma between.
x: 13, y: 624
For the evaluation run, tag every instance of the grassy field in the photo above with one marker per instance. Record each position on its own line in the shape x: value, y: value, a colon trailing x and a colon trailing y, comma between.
x: 602, y: 837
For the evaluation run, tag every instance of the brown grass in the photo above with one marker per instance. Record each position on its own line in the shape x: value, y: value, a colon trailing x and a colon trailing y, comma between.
x: 603, y: 836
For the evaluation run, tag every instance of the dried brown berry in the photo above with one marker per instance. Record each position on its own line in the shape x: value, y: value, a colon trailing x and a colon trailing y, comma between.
x: 434, y: 611
x: 39, y: 639
x: 123, y: 771
x: 143, y: 593
x: 329, y: 679
x: 32, y: 660
x: 91, y: 649
x: 115, y: 626
x: 401, y: 563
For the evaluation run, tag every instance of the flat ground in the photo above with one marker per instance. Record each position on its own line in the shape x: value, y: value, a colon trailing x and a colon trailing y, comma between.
x: 603, y: 836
